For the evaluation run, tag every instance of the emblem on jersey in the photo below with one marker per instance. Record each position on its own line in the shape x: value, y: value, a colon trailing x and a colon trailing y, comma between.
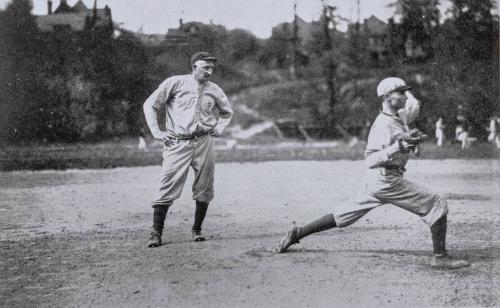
x: 188, y: 103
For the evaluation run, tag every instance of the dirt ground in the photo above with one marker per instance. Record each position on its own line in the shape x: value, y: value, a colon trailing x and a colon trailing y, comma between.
x: 78, y: 238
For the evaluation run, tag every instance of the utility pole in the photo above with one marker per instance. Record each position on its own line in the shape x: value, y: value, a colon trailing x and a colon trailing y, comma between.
x: 295, y: 39
x: 328, y: 55
x: 355, y: 52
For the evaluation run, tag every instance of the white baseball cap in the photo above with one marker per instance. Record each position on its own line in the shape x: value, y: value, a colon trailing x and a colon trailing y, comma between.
x: 391, y: 84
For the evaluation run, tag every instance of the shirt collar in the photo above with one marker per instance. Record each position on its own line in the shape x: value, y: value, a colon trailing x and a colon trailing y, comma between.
x: 198, y: 82
x: 395, y: 117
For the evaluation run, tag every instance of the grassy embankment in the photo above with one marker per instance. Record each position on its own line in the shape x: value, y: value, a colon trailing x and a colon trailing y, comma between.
x: 126, y: 153
x: 289, y: 99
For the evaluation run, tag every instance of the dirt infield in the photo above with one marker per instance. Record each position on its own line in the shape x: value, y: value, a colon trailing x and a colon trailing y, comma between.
x: 77, y: 238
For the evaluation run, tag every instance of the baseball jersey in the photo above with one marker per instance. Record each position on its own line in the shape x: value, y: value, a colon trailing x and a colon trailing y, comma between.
x: 191, y: 106
x: 382, y: 150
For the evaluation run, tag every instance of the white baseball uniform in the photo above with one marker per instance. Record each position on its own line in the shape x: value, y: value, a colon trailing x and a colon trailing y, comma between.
x: 440, y: 132
x: 192, y: 110
x: 384, y: 182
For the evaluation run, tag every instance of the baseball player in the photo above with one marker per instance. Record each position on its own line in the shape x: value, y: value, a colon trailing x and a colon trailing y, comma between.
x: 494, y: 136
x: 196, y: 111
x: 387, y: 151
x: 440, y: 131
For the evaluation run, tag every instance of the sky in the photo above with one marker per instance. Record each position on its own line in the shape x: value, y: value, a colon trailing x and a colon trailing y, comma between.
x: 257, y: 16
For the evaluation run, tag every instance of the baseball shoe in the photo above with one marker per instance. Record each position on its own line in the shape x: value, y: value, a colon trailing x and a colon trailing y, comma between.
x: 448, y: 262
x: 197, y: 236
x: 154, y: 240
x: 290, y: 238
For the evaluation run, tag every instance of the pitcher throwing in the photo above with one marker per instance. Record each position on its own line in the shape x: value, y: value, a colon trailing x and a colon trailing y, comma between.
x: 387, y: 151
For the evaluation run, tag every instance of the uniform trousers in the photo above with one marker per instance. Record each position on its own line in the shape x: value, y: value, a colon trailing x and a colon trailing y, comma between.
x: 383, y: 186
x: 197, y: 153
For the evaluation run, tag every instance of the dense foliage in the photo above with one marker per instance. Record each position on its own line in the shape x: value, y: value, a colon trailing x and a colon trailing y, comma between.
x: 69, y: 86
x: 65, y: 85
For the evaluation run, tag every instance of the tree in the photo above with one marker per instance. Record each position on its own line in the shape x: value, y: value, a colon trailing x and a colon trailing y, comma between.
x: 20, y: 84
x: 478, y: 31
x: 240, y: 44
x: 328, y: 54
x: 278, y: 50
x: 467, y: 62
x: 130, y: 67
x: 419, y: 21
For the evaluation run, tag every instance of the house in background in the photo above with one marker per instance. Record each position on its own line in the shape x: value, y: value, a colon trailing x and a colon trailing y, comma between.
x: 75, y: 18
x: 183, y: 35
x: 191, y: 33
x: 150, y: 40
x: 375, y: 35
x: 384, y: 40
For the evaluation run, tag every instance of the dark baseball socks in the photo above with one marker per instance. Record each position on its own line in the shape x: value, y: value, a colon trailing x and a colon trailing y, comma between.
x: 324, y: 223
x: 441, y: 258
x: 199, y: 215
x: 438, y: 231
x: 159, y: 214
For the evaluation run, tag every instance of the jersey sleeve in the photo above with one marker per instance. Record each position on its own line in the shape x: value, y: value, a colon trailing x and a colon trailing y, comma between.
x: 225, y: 111
x: 380, y: 147
x: 411, y: 111
x: 154, y: 103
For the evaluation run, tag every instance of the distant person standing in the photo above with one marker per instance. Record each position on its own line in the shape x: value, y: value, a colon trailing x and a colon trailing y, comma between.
x: 459, y: 127
x: 463, y: 137
x: 494, y: 136
x: 196, y: 111
x: 440, y: 132
x: 462, y: 133
x: 142, y: 140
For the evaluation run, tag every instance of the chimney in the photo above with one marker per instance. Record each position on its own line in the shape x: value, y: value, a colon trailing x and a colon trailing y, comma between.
x: 49, y: 5
x: 180, y: 23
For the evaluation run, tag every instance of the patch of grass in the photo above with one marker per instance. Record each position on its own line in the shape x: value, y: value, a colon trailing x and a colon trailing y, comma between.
x: 124, y: 153
x: 479, y: 150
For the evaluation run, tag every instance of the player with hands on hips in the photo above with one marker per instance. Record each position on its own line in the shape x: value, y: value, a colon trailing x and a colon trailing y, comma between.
x: 196, y: 110
x: 389, y: 144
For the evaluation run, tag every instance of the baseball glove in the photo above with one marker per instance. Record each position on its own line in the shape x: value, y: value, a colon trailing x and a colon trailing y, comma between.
x: 410, y: 140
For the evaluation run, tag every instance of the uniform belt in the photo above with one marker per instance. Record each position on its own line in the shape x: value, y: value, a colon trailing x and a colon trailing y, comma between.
x: 190, y: 137
x: 395, y: 168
